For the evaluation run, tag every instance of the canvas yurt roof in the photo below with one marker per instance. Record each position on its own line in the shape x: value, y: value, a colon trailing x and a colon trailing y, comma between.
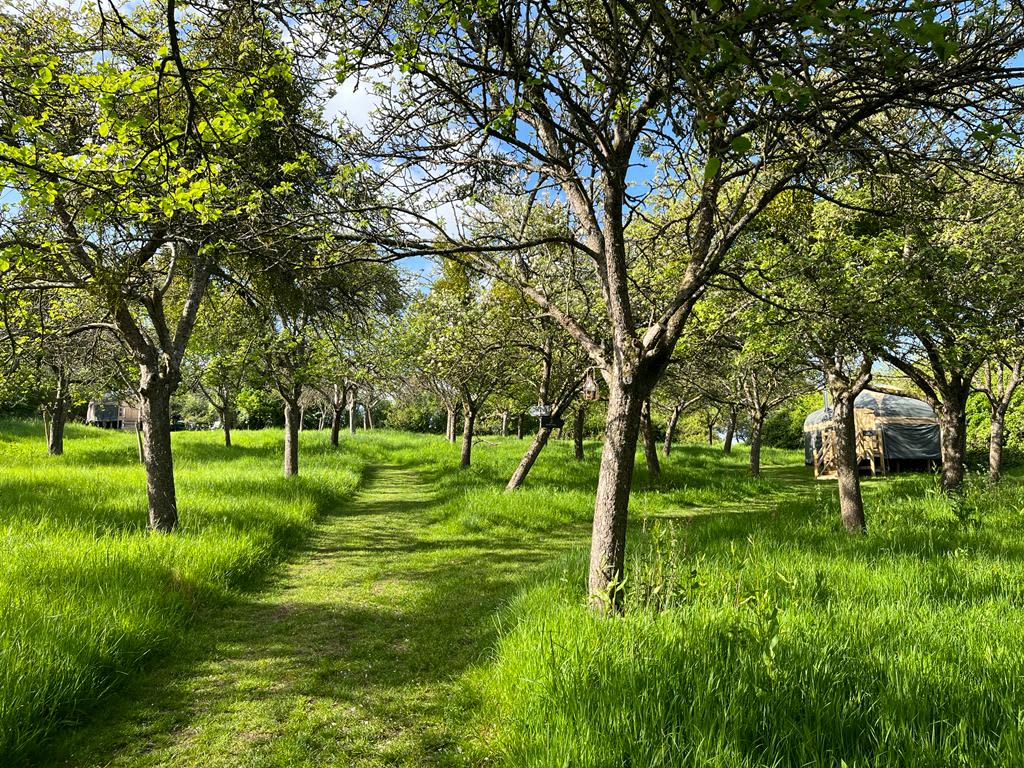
x: 886, y: 407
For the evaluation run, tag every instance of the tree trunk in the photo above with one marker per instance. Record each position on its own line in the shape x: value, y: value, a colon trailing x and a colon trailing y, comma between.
x: 225, y: 423
x: 995, y: 445
x: 291, y: 439
x: 756, y: 422
x: 450, y: 433
x: 851, y: 504
x: 953, y: 421
x: 58, y: 418
x: 369, y: 417
x: 519, y: 426
x: 608, y: 541
x: 469, y: 421
x: 138, y: 437
x: 670, y: 430
x: 504, y: 423
x: 519, y: 476
x: 578, y: 423
x: 155, y: 413
x: 730, y: 432
x: 335, y: 426
x: 352, y: 414
x: 650, y: 447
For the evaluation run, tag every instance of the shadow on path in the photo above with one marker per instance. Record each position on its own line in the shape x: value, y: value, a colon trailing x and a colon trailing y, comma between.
x: 349, y: 659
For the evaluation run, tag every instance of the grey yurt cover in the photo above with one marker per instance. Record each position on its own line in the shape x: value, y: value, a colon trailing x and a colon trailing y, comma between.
x: 910, y: 430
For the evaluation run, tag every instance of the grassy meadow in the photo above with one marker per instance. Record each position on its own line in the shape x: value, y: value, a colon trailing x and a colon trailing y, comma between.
x: 87, y: 594
x: 432, y: 619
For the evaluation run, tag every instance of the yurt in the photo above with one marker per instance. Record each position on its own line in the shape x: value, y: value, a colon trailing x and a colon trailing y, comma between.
x: 111, y: 413
x: 894, y: 434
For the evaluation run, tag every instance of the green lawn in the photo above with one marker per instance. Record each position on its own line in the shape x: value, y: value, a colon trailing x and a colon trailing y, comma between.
x: 431, y: 619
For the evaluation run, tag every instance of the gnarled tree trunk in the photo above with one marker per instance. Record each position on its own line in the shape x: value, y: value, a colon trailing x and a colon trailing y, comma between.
x: 578, y: 423
x: 996, y: 437
x: 615, y: 478
x: 226, y: 419
x: 650, y: 447
x: 730, y: 431
x: 670, y: 429
x: 953, y: 422
x: 526, y: 463
x: 468, y: 424
x: 756, y: 422
x: 56, y: 419
x: 155, y: 401
x: 335, y: 425
x: 291, y: 438
x: 851, y: 504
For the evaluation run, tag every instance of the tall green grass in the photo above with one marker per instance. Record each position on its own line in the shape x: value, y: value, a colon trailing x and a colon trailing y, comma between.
x: 87, y: 594
x: 772, y: 638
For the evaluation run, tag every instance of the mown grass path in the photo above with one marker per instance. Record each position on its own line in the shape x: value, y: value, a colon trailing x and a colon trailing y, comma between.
x: 349, y: 658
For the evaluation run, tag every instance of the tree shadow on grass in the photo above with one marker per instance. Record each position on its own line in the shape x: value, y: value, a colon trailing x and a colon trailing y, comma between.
x: 348, y: 660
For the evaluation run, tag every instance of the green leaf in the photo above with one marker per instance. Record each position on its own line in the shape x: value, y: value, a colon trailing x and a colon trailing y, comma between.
x: 741, y: 144
x: 712, y: 168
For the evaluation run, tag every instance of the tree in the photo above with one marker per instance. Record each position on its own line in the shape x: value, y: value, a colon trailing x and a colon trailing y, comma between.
x: 955, y: 286
x: 578, y: 101
x: 561, y: 371
x: 222, y: 357
x: 49, y: 336
x: 137, y: 150
x: 465, y: 343
x: 999, y: 383
x: 820, y: 272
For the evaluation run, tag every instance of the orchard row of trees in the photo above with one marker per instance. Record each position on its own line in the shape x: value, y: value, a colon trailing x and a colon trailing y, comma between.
x: 659, y: 201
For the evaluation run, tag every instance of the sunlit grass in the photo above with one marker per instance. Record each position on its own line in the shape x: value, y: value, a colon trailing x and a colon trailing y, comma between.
x: 87, y: 594
x: 757, y: 633
x: 772, y: 638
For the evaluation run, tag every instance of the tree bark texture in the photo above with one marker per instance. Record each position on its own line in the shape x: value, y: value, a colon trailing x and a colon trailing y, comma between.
x: 468, y: 424
x: 756, y: 422
x: 578, y: 424
x: 670, y: 429
x: 650, y: 447
x: 450, y: 429
x: 526, y: 463
x: 996, y: 438
x: 730, y: 431
x: 335, y: 426
x: 58, y: 415
x: 953, y: 422
x: 615, y: 478
x: 155, y: 405
x: 291, y: 438
x: 851, y: 503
